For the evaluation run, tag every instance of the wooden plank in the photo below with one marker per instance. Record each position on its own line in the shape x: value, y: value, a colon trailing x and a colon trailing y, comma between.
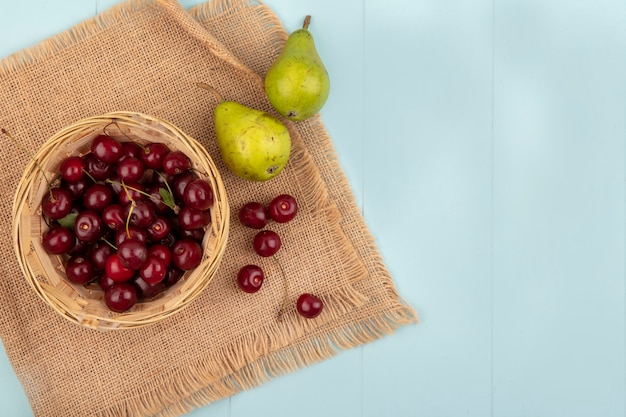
x: 559, y: 208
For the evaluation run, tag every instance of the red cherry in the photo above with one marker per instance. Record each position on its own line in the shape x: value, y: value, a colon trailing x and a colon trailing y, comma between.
x: 266, y: 243
x: 153, y: 270
x: 309, y: 306
x: 116, y: 270
x: 57, y: 240
x: 283, y: 208
x: 120, y: 297
x: 80, y: 270
x: 250, y: 278
x: 71, y: 169
x: 198, y: 194
x: 106, y: 149
x: 186, y: 254
x: 253, y: 215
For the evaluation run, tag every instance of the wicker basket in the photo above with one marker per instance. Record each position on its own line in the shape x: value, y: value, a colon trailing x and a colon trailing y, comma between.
x: 45, y: 274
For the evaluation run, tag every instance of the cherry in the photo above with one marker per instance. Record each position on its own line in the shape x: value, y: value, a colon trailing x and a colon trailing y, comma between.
x: 162, y: 252
x: 105, y: 282
x: 113, y: 217
x: 254, y: 215
x: 283, y: 208
x: 132, y: 253
x: 88, y: 226
x: 130, y: 150
x: 98, y: 254
x: 130, y: 170
x: 77, y: 189
x: 116, y: 270
x: 309, y: 306
x: 186, y: 254
x: 80, y: 270
x: 97, y: 169
x: 159, y: 228
x: 153, y: 270
x: 57, y: 240
x: 154, y: 154
x: 157, y: 199
x: 120, y: 297
x: 189, y: 218
x: 250, y: 278
x: 180, y: 183
x: 97, y: 197
x: 266, y: 243
x: 106, y: 149
x: 130, y: 192
x: 176, y: 162
x: 145, y: 290
x: 198, y: 194
x: 172, y: 276
x: 142, y: 214
x: 195, y: 234
x: 57, y: 203
x: 134, y: 232
x: 71, y: 169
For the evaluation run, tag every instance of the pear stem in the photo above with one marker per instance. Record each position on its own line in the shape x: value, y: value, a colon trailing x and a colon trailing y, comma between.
x: 32, y: 157
x: 216, y: 93
x: 307, y: 22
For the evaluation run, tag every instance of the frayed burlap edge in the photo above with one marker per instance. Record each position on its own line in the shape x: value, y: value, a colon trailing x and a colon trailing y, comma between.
x: 255, y: 359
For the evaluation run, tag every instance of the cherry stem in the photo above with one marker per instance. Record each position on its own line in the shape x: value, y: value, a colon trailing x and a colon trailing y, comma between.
x: 216, y: 93
x: 307, y: 22
x: 130, y: 211
x: 89, y: 175
x: 282, y: 310
x: 104, y: 239
x: 32, y: 157
x: 128, y: 187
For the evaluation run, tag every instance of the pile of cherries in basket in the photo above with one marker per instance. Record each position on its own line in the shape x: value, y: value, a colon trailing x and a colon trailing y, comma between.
x: 266, y: 243
x: 129, y: 217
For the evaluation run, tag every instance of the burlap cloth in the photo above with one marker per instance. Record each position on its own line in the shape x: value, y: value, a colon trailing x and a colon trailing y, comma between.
x: 145, y: 56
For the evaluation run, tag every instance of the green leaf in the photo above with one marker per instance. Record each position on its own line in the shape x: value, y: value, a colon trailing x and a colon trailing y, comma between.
x: 68, y: 221
x: 168, y: 198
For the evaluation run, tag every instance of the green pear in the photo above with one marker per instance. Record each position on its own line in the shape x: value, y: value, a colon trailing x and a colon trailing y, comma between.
x: 253, y: 144
x: 297, y: 83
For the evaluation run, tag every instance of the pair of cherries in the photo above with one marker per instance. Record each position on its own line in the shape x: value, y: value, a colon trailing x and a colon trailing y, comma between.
x: 266, y: 243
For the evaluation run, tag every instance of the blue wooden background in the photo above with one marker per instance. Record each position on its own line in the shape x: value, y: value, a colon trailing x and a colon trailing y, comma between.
x: 485, y: 143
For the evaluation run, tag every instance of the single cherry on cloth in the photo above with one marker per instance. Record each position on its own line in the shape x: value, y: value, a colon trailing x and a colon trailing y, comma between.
x: 254, y: 215
x: 283, y: 208
x: 250, y: 278
x: 266, y: 243
x: 309, y: 306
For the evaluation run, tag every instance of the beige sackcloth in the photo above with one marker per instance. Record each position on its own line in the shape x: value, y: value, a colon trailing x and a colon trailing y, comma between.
x: 146, y: 56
